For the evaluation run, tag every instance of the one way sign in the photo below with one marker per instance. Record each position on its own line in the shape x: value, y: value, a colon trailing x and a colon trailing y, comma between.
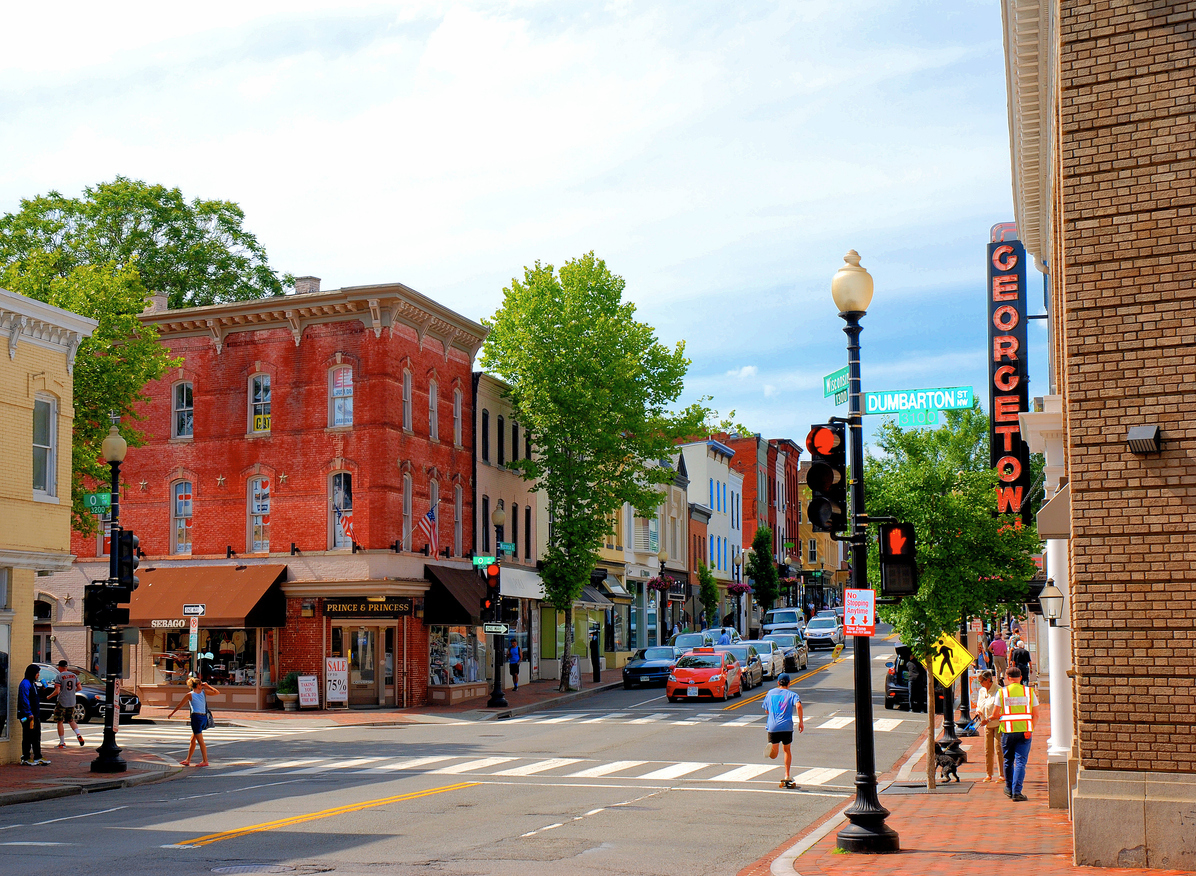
x: 859, y: 613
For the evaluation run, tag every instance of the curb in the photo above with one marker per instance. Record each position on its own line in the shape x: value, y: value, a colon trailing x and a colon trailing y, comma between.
x: 570, y: 697
x: 162, y: 771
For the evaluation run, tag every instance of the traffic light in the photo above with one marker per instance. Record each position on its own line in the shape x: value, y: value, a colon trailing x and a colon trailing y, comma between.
x: 898, y: 560
x: 827, y: 477
x: 126, y: 565
x: 101, y: 607
x: 492, y: 602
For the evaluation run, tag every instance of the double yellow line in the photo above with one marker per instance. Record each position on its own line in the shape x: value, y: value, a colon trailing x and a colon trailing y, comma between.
x: 761, y: 696
x: 312, y: 816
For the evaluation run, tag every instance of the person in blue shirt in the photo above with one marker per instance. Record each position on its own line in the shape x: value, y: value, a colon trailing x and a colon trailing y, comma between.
x: 724, y: 639
x: 780, y: 703
x: 29, y: 714
x: 513, y: 658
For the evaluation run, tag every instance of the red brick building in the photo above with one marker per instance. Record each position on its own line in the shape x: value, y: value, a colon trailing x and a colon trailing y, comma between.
x: 292, y: 454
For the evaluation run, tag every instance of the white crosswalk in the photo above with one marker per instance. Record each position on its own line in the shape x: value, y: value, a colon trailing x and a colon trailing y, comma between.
x: 708, y: 719
x: 174, y: 735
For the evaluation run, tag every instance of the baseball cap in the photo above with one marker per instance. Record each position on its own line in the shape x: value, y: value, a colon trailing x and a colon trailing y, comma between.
x: 783, y: 679
x: 62, y: 664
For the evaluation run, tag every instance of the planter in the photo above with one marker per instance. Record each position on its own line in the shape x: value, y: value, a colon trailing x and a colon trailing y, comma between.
x: 290, y: 702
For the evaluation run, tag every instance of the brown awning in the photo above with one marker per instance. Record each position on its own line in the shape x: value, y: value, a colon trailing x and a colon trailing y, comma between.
x: 455, y: 597
x: 233, y: 595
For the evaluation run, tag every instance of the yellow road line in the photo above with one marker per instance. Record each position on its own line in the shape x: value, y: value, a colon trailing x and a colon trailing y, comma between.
x: 325, y: 813
x: 761, y: 696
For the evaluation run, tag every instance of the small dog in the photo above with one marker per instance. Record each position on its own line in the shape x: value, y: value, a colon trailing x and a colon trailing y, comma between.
x: 947, y: 766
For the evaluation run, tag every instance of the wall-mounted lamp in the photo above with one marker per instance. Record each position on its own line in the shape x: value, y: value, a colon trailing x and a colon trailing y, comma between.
x: 228, y: 552
x: 294, y: 550
x: 394, y: 546
x: 1051, y: 600
x: 309, y: 608
x: 1144, y: 439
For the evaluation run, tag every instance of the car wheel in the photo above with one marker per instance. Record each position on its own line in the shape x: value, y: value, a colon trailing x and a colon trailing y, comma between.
x: 739, y: 690
x: 726, y: 691
x: 80, y: 714
x: 890, y: 704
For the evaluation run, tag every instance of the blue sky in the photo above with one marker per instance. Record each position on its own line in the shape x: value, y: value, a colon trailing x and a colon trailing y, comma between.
x: 721, y: 157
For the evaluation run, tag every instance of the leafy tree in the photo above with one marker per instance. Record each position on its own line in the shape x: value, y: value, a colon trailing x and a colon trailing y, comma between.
x: 708, y: 594
x: 112, y: 367
x: 195, y: 252
x: 592, y: 387
x: 761, y: 569
x: 970, y: 561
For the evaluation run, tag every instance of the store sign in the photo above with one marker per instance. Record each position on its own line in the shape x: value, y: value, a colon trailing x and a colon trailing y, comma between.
x: 336, y: 680
x: 169, y: 623
x: 1008, y: 390
x: 391, y: 606
x: 309, y: 690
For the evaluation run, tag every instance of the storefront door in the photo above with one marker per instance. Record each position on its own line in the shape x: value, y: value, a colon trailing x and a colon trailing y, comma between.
x: 364, y: 677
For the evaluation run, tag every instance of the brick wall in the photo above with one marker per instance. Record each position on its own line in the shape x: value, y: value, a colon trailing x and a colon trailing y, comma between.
x: 1127, y: 85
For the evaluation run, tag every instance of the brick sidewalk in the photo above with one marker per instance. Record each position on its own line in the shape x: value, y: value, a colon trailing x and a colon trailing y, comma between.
x: 70, y: 773
x: 945, y: 833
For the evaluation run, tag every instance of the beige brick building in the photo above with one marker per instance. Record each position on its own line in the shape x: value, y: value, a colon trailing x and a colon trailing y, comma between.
x: 1101, y: 124
x: 36, y: 414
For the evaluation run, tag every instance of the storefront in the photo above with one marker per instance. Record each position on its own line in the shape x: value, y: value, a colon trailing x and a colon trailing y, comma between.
x: 617, y: 638
x: 458, y: 664
x: 368, y: 632
x: 236, y: 642
x: 589, y: 622
x: 522, y: 593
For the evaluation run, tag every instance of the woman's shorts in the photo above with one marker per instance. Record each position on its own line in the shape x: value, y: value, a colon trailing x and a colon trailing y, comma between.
x: 785, y: 737
x: 199, y: 721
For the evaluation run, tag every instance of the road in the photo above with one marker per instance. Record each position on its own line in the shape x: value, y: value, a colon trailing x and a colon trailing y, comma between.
x: 620, y: 783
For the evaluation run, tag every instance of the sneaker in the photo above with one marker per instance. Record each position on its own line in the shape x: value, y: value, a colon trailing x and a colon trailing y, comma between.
x: 1008, y: 792
x: 81, y: 742
x: 789, y: 783
x: 41, y: 761
x: 60, y: 745
x: 1019, y: 797
x: 770, y: 752
x: 26, y: 762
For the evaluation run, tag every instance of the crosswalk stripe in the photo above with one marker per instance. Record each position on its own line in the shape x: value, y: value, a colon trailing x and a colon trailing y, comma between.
x: 884, y: 725
x: 602, y: 718
x: 471, y: 765
x: 674, y: 771
x: 745, y: 720
x: 284, y: 765
x: 605, y: 769
x: 334, y: 765
x: 818, y: 776
x: 560, y: 720
x: 743, y: 774
x: 835, y: 724
x: 649, y: 719
x: 405, y: 763
x: 539, y: 767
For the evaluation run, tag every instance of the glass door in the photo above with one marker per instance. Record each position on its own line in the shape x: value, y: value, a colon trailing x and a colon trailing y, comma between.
x: 363, y: 666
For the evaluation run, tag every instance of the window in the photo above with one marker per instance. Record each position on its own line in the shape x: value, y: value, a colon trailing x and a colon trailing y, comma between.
x: 259, y: 515
x: 502, y: 442
x: 514, y: 441
x: 104, y: 535
x: 457, y: 417
x: 340, y: 396
x: 433, y: 416
x: 485, y: 527
x: 712, y: 494
x: 434, y: 505
x: 406, y: 399
x: 813, y: 550
x: 406, y: 512
x: 181, y: 539
x: 458, y: 503
x: 515, y: 531
x: 259, y: 403
x: 183, y: 407
x: 485, y: 435
x: 45, y: 446
x: 527, y: 445
x: 712, y: 547
x: 342, y: 510
x: 527, y: 532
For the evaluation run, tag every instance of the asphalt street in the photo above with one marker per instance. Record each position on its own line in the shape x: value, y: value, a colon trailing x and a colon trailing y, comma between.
x: 620, y: 783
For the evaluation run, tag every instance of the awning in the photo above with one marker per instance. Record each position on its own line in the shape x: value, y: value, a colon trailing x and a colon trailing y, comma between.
x: 232, y: 596
x: 455, y: 597
x: 591, y: 598
x: 520, y: 583
x: 1054, y: 518
x: 614, y: 590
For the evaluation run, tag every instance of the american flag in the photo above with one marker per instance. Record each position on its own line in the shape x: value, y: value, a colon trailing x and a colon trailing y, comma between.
x: 427, y: 525
x: 346, y: 521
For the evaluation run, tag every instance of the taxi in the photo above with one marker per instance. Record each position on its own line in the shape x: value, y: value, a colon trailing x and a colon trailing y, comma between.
x: 705, y: 672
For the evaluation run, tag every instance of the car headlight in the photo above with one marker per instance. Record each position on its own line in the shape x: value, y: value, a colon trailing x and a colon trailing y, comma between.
x: 715, y: 678
x: 672, y: 677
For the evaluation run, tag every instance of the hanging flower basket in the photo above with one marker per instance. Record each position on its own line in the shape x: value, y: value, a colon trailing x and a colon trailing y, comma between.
x: 659, y: 583
x: 737, y: 587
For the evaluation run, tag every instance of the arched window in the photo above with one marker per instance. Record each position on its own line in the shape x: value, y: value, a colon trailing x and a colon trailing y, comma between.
x: 458, y: 510
x: 515, y: 531
x: 502, y: 441
x: 430, y: 526
x: 485, y: 525
x: 341, y: 522
x: 259, y: 403
x: 406, y: 512
x: 406, y: 399
x: 485, y: 435
x: 259, y: 515
x: 182, y: 421
x: 340, y: 396
x: 527, y: 532
x: 433, y: 416
x: 180, y: 538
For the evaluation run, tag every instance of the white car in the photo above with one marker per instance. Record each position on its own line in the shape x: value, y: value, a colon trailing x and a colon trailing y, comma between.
x: 824, y: 632
x: 784, y: 620
x: 772, y: 656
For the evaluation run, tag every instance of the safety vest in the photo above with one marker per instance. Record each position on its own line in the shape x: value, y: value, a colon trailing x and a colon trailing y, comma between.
x: 1017, y: 701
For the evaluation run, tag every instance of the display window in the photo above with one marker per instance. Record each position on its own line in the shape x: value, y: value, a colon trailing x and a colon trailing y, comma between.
x: 226, y: 656
x: 456, y: 656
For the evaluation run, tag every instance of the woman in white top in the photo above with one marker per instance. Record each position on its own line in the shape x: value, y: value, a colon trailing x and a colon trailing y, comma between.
x: 986, y: 712
x: 197, y: 699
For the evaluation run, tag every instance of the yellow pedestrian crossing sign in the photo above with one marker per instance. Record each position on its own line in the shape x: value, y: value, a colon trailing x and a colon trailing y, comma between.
x: 949, y: 659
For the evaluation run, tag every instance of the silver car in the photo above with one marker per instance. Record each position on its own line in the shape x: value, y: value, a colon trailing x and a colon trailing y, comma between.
x: 824, y: 632
x: 772, y: 656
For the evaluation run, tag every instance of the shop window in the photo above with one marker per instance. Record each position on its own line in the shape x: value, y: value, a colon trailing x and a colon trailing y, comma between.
x: 458, y: 509
x: 502, y: 442
x: 433, y: 414
x: 485, y: 435
x: 45, y: 446
x: 183, y: 409
x: 454, y: 655
x: 259, y: 515
x: 104, y: 534
x: 343, y: 536
x: 388, y: 665
x: 259, y: 403
x: 340, y: 396
x: 406, y: 512
x: 226, y: 657
x: 6, y: 695
x: 180, y: 538
x: 406, y: 399
x: 527, y: 532
x: 618, y: 623
x: 457, y: 402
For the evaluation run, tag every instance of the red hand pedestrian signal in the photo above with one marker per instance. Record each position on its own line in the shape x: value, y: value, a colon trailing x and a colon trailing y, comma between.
x: 897, y: 541
x: 898, y: 560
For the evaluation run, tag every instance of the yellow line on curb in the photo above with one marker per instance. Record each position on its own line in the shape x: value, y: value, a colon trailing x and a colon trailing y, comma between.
x: 325, y: 813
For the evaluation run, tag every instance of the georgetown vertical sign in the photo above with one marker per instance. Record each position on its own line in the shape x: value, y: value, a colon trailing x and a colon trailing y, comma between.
x: 1008, y: 391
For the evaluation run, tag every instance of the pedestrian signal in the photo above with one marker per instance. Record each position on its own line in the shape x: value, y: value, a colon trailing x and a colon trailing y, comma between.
x: 898, y: 560
x: 827, y: 477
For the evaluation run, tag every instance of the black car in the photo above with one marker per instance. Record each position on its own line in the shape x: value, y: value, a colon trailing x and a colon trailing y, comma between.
x: 793, y: 646
x: 89, y: 701
x: 649, y: 666
x: 749, y: 659
x: 897, y: 685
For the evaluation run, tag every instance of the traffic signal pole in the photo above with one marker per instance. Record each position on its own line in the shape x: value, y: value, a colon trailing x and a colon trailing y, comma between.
x: 108, y: 759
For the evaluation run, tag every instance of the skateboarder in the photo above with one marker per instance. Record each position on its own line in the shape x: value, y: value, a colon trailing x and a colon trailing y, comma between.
x: 780, y: 703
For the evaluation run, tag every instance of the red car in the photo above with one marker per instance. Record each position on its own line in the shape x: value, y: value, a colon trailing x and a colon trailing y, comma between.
x: 704, y: 672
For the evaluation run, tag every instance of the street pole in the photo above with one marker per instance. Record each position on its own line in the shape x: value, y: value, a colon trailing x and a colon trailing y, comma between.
x: 965, y: 693
x: 498, y: 699
x: 867, y: 831
x: 108, y: 759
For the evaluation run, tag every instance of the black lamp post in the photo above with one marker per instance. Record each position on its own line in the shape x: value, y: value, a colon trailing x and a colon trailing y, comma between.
x: 108, y: 759
x: 498, y: 699
x: 867, y: 832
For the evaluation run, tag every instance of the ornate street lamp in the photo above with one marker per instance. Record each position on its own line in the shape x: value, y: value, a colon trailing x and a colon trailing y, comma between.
x: 108, y: 759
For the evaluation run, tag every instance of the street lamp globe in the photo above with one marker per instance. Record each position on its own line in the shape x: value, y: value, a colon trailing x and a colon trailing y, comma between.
x: 499, y: 517
x: 663, y: 556
x: 114, y: 447
x: 851, y: 287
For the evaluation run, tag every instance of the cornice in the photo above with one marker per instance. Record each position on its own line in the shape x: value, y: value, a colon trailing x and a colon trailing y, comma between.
x: 32, y: 321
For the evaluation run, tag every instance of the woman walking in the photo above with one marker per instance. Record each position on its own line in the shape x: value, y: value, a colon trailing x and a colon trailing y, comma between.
x: 197, y: 699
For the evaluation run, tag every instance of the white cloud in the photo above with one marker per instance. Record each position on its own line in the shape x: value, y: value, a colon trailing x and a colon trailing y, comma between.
x: 743, y: 373
x: 769, y: 390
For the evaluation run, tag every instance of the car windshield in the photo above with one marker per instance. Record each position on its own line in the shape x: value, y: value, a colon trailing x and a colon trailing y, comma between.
x: 86, y: 677
x: 656, y: 654
x: 763, y: 647
x: 741, y: 653
x: 690, y: 640
x: 826, y: 612
x: 783, y: 617
x: 700, y: 661
x: 783, y: 641
x: 823, y: 623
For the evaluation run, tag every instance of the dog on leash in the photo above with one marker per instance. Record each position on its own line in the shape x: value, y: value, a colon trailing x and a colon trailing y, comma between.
x: 948, y: 767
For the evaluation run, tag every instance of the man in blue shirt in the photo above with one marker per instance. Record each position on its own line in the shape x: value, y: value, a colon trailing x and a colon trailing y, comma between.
x: 724, y: 639
x: 780, y: 703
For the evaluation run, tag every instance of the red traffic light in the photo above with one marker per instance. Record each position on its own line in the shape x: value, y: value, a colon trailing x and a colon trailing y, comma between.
x: 822, y: 440
x: 492, y: 574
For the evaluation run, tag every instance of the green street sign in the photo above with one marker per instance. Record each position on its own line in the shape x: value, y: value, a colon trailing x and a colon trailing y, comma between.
x: 841, y: 397
x: 952, y: 398
x: 97, y: 503
x: 483, y: 561
x: 833, y: 384
x: 506, y: 547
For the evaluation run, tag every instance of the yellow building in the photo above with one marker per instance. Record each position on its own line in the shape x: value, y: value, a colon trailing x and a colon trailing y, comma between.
x: 36, y: 412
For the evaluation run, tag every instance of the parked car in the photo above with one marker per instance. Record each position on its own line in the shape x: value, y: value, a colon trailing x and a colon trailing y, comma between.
x: 749, y: 662
x: 649, y: 666
x: 793, y: 646
x: 897, y: 684
x: 89, y: 701
x: 704, y: 672
x: 824, y: 632
x: 772, y: 656
x: 783, y: 620
x: 686, y: 641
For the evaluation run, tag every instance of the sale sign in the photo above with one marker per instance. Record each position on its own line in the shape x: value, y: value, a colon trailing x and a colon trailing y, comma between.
x: 336, y: 680
x: 859, y: 612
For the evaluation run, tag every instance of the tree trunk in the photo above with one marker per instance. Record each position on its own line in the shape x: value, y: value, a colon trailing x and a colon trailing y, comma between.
x: 567, y: 655
x: 931, y: 763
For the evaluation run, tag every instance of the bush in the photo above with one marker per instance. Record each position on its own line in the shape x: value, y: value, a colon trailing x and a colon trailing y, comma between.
x: 289, y: 684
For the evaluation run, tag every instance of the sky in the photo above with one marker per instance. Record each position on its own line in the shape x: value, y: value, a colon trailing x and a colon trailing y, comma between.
x: 720, y: 157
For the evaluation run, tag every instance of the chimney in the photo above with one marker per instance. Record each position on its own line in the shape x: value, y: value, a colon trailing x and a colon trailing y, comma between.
x: 157, y: 303
x: 304, y: 285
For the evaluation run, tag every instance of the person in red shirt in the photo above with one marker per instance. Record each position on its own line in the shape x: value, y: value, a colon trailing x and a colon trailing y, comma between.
x: 1000, y: 652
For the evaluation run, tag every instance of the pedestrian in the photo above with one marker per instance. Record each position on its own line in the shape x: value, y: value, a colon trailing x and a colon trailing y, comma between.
x: 64, y: 693
x: 987, y: 717
x: 724, y: 639
x: 196, y: 699
x: 780, y: 703
x: 1020, y: 657
x: 513, y: 659
x: 914, y: 683
x: 1016, y: 706
x: 1000, y: 651
x: 29, y: 713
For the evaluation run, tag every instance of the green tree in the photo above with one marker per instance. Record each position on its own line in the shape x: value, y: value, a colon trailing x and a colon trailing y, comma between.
x: 592, y: 387
x: 195, y: 252
x: 761, y: 569
x: 970, y: 562
x: 112, y: 367
x: 708, y: 594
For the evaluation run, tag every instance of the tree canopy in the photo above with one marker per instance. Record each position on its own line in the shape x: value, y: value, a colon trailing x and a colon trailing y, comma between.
x: 194, y: 252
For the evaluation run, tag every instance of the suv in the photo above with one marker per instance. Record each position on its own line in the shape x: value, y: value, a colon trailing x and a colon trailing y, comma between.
x: 784, y: 620
x: 897, y: 685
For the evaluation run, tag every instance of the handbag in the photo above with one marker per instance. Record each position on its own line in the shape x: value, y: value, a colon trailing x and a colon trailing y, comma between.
x: 209, y: 720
